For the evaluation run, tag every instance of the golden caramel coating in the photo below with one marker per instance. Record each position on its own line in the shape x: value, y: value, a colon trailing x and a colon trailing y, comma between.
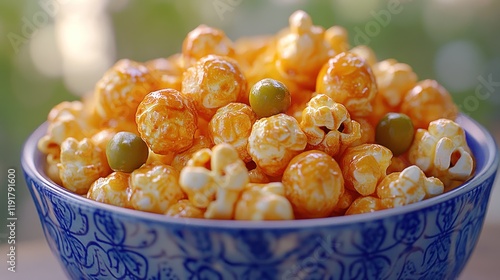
x: 408, y: 186
x: 274, y: 141
x: 121, y: 89
x: 167, y: 71
x: 260, y: 202
x: 302, y: 51
x: 313, y: 184
x: 394, y: 80
x: 367, y: 132
x: 82, y: 162
x: 101, y: 138
x: 248, y: 49
x: 51, y: 169
x: 167, y: 121
x: 338, y: 39
x: 348, y: 79
x: 213, y: 82
x: 398, y: 163
x: 113, y: 189
x: 205, y: 40
x: 328, y: 125
x: 428, y: 101
x: 299, y: 103
x: 167, y: 159
x: 185, y: 209
x: 180, y: 160
x: 364, y: 166
x: 345, y: 201
x: 365, y: 53
x: 256, y: 175
x: 154, y: 188
x: 232, y: 124
x: 365, y: 204
x: 442, y: 152
x: 213, y: 179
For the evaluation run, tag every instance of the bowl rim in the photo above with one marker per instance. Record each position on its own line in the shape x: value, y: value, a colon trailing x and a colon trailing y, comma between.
x: 30, y: 156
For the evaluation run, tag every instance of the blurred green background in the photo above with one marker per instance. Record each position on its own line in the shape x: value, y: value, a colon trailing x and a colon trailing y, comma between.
x: 55, y: 50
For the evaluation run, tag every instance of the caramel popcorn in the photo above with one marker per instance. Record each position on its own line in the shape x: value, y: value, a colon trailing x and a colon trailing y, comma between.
x: 167, y: 121
x: 442, y: 152
x: 408, y: 186
x: 364, y: 166
x: 167, y: 71
x: 274, y: 141
x: 232, y: 124
x: 205, y: 40
x: 365, y: 204
x: 154, y: 188
x: 185, y: 209
x: 338, y: 39
x: 328, y: 125
x: 348, y: 79
x: 81, y: 163
x: 112, y: 189
x: 213, y: 82
x: 428, y: 101
x: 263, y: 202
x: 313, y: 184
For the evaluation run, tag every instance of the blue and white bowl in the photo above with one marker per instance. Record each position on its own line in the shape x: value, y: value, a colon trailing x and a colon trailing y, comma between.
x: 432, y: 239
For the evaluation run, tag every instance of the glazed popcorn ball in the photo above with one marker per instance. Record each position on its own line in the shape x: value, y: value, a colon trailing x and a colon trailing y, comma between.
x: 121, y: 89
x: 442, y: 151
x: 180, y: 160
x: 213, y: 82
x: 232, y: 124
x: 263, y: 202
x: 348, y: 79
x: 81, y: 163
x: 365, y: 204
x: 345, y: 201
x: 167, y: 121
x: 365, y: 53
x: 408, y: 186
x: 154, y: 188
x: 205, y: 40
x: 256, y: 175
x: 185, y: 209
x: 328, y: 125
x: 338, y: 39
x: 167, y: 71
x: 313, y: 184
x: 302, y: 51
x: 112, y: 189
x: 364, y: 166
x: 217, y: 189
x: 367, y: 132
x: 274, y: 141
x: 428, y: 101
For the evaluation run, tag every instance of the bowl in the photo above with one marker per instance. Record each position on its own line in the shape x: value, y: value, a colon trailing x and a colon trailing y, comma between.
x: 431, y: 239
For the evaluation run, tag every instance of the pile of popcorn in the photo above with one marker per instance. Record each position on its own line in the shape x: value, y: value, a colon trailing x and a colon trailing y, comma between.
x: 210, y: 156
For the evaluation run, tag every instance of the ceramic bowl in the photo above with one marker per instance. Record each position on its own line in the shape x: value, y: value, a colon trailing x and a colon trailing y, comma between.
x: 432, y: 239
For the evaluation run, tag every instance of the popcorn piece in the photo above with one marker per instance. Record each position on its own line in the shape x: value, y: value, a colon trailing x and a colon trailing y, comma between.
x: 213, y: 82
x: 154, y: 188
x: 364, y: 166
x: 167, y: 121
x: 112, y: 189
x: 365, y: 204
x: 274, y: 141
x: 338, y: 39
x: 167, y: 71
x: 398, y: 164
x: 313, y: 184
x: 394, y: 80
x: 185, y: 209
x: 81, y: 164
x: 263, y: 202
x: 302, y: 50
x: 256, y: 175
x: 348, y: 79
x: 442, y: 152
x: 328, y: 125
x: 428, y: 101
x: 345, y: 201
x: 232, y: 124
x: 408, y: 186
x: 367, y: 132
x: 121, y: 89
x: 181, y: 159
x: 219, y: 187
x: 51, y: 168
x: 205, y: 40
x: 365, y: 53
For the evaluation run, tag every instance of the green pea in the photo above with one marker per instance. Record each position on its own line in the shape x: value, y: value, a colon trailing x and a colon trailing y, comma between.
x: 126, y: 152
x: 269, y: 97
x: 395, y: 131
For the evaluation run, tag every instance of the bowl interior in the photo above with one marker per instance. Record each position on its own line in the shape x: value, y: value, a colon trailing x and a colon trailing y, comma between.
x: 479, y: 139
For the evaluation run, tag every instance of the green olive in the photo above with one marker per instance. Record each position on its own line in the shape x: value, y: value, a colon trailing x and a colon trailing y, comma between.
x: 126, y: 152
x: 395, y: 131
x: 269, y: 97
